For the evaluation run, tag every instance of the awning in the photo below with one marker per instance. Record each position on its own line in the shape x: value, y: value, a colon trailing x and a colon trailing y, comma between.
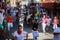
x: 48, y: 5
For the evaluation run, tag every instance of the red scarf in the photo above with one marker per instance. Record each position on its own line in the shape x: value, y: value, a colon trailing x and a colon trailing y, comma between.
x: 9, y: 19
x: 19, y: 32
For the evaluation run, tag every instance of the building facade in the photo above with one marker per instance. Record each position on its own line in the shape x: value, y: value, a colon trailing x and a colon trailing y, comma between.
x: 51, y: 7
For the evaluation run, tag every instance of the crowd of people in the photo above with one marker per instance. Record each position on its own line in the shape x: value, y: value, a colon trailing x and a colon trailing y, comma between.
x: 36, y: 19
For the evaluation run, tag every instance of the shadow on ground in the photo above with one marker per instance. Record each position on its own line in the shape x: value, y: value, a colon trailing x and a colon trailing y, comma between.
x: 47, y: 39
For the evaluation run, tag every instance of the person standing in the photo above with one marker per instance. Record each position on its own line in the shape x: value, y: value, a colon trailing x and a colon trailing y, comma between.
x: 35, y: 30
x: 36, y: 15
x: 8, y: 8
x: 21, y: 20
x: 48, y: 21
x: 44, y: 22
x: 1, y: 18
x: 19, y: 11
x: 20, y: 34
x: 4, y: 22
x: 17, y: 17
x: 10, y: 22
x: 1, y: 21
x: 55, y: 22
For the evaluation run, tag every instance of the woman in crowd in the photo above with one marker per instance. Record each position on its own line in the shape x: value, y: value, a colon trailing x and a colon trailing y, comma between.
x: 55, y: 22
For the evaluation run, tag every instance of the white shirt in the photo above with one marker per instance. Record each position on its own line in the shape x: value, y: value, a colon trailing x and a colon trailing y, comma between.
x: 28, y: 17
x: 1, y: 18
x: 21, y: 20
x: 57, y: 37
x: 48, y: 20
x: 21, y: 36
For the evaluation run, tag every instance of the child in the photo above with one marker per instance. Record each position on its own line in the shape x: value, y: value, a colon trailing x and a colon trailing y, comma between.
x: 35, y: 30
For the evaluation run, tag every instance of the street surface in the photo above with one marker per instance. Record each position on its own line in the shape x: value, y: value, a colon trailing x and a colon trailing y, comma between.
x: 42, y: 36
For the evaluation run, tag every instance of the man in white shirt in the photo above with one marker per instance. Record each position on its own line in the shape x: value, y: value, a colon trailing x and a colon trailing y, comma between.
x: 20, y: 34
x: 48, y: 21
x: 57, y: 33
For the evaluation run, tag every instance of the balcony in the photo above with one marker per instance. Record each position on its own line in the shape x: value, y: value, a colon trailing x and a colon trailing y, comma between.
x: 48, y: 5
x: 48, y: 1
